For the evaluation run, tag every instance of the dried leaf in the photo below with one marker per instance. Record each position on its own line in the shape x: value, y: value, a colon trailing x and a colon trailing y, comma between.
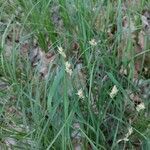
x: 146, y: 20
x: 141, y: 40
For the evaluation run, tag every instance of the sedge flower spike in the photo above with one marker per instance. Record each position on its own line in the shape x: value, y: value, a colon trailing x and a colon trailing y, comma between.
x: 114, y: 91
x: 68, y: 68
x: 92, y: 42
x: 140, y: 107
x: 61, y: 52
x: 126, y: 138
x: 80, y: 94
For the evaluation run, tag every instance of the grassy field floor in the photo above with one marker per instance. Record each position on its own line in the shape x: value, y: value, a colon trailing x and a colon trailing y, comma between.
x: 75, y: 74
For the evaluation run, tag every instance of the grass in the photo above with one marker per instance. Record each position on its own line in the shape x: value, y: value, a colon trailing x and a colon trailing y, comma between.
x: 43, y: 113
